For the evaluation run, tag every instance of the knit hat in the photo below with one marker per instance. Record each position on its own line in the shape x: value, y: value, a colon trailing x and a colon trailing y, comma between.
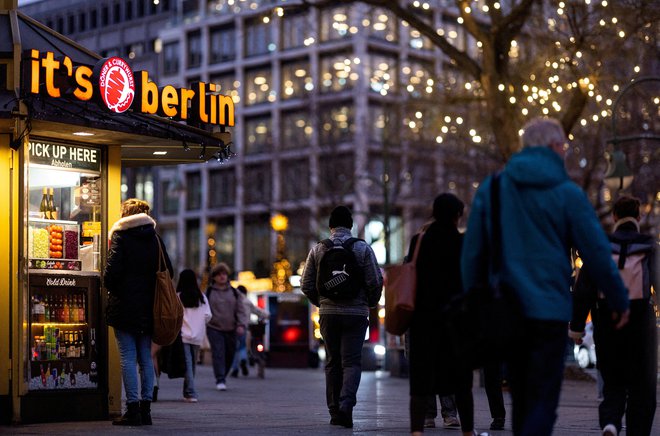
x: 341, y: 217
x: 447, y: 207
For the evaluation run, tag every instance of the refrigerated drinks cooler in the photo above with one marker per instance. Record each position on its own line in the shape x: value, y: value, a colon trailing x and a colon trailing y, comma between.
x: 66, y: 360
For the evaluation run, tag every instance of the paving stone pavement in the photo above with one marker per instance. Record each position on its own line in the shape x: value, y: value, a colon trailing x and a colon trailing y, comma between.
x: 292, y: 402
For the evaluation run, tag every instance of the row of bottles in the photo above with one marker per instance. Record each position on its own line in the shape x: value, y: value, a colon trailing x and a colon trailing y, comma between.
x: 59, y: 308
x: 56, y: 344
x: 47, y: 208
x: 58, y: 380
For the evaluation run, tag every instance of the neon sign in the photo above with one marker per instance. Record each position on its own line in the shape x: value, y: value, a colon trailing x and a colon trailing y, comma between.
x: 113, y: 84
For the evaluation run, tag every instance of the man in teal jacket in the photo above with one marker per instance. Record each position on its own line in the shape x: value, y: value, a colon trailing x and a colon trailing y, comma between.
x: 543, y: 215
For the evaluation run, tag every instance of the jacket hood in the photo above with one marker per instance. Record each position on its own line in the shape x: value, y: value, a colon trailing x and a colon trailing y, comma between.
x: 538, y: 167
x: 140, y: 223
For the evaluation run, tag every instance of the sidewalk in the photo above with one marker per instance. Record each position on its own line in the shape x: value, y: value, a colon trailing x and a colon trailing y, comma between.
x: 292, y: 401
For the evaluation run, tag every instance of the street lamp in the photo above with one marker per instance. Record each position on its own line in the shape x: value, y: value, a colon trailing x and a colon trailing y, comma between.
x: 281, y: 272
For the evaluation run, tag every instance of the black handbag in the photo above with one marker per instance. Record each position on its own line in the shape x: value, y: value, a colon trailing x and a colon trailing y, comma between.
x: 485, y: 323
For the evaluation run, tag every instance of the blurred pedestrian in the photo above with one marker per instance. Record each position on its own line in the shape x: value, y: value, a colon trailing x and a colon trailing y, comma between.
x: 344, y: 321
x: 130, y: 278
x: 432, y: 368
x: 241, y: 355
x: 628, y: 357
x: 543, y: 215
x: 228, y: 319
x: 196, y: 314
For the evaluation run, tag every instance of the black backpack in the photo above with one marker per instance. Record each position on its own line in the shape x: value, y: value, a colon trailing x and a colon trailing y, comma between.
x: 339, y: 276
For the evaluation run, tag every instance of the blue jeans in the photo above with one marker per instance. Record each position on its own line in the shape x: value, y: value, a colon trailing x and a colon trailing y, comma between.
x: 134, y: 350
x: 190, y: 356
x: 241, y: 351
x: 536, y: 371
x: 223, y: 347
x: 343, y: 336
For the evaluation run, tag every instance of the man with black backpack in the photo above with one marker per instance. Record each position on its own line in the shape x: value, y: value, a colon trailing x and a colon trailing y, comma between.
x: 342, y: 277
x: 628, y: 357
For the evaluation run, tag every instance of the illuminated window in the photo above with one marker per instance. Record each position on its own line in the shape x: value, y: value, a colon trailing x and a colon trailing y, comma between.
x: 338, y: 73
x: 381, y: 24
x: 222, y: 44
x: 258, y: 135
x: 336, y: 125
x: 296, y: 79
x: 335, y: 23
x: 258, y: 86
x: 382, y: 73
x: 296, y: 130
x: 336, y: 175
x: 418, y: 79
x: 377, y: 124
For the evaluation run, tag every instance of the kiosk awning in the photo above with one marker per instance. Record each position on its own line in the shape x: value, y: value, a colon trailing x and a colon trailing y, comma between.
x: 145, y: 139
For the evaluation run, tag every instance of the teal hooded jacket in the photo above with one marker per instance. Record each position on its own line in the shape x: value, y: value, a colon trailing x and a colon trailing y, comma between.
x: 543, y: 215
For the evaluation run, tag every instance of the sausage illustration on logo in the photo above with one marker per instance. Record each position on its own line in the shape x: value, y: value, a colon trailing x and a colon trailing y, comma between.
x: 116, y: 84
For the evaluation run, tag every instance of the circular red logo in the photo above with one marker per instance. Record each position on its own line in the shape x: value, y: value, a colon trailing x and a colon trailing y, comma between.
x: 116, y: 84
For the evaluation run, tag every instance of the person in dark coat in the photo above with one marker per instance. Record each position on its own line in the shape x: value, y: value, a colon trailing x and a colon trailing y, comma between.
x: 130, y: 278
x: 432, y: 369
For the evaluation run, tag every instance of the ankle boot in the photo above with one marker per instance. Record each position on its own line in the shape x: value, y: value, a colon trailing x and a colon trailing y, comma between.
x: 131, y: 417
x: 145, y: 412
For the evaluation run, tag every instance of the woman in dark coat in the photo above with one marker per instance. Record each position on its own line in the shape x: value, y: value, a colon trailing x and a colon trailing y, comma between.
x: 130, y: 278
x: 433, y: 371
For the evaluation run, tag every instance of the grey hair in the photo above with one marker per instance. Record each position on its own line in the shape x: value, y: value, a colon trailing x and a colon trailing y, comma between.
x: 542, y: 132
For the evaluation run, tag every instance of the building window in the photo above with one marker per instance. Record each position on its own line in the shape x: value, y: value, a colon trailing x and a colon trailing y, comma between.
x: 377, y: 123
x: 382, y: 25
x: 258, y: 135
x: 258, y: 86
x: 338, y: 73
x: 222, y: 188
x: 223, y: 233
x: 335, y: 23
x: 193, y: 191
x: 170, y: 195
x: 140, y: 9
x: 423, y: 178
x: 194, y: 49
x: 257, y: 187
x: 169, y: 237
x: 71, y: 24
x: 337, y: 125
x: 296, y: 130
x: 93, y: 19
x: 171, y: 58
x: 82, y: 21
x: 256, y: 245
x: 116, y: 13
x: 415, y: 38
x: 59, y: 26
x: 222, y: 44
x: 418, y: 79
x: 192, y: 243
x: 129, y: 10
x: 336, y: 175
x: 258, y: 40
x: 295, y: 179
x: 105, y: 16
x: 296, y: 79
x: 382, y: 73
x: 295, y: 31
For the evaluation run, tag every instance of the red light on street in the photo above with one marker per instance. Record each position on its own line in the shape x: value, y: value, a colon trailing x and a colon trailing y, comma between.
x: 291, y: 334
x: 260, y: 348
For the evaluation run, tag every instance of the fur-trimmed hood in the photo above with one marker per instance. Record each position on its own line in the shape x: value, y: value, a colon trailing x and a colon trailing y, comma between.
x: 131, y: 221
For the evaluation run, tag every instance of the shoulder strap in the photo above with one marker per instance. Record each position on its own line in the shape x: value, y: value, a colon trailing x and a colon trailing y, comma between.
x: 162, y: 264
x: 418, y: 244
x: 327, y: 242
x: 347, y: 244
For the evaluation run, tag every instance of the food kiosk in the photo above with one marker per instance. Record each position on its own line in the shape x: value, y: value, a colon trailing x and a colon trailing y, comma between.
x: 69, y: 120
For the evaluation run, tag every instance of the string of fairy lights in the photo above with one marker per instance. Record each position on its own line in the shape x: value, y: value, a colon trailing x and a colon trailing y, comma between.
x: 548, y: 61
